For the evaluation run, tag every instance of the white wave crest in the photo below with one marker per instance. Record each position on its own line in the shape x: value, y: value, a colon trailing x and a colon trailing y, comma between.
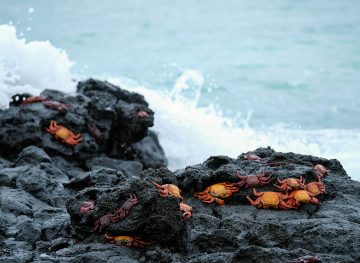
x: 190, y: 134
x: 30, y: 66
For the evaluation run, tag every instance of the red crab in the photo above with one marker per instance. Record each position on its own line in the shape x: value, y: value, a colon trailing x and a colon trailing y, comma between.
x: 252, y: 157
x: 307, y: 259
x: 270, y: 200
x: 289, y: 184
x: 320, y: 170
x: 33, y: 99
x: 56, y: 105
x: 87, y: 206
x: 95, y: 132
x: 186, y: 211
x: 301, y: 196
x: 64, y: 134
x: 254, y: 180
x: 118, y: 214
x: 128, y: 241
x: 315, y: 188
x: 142, y: 114
x: 169, y: 190
x: 124, y: 210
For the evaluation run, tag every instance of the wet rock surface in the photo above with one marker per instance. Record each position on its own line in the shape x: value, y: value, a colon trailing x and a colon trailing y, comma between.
x: 44, y: 184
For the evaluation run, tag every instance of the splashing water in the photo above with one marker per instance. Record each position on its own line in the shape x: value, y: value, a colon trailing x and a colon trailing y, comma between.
x: 189, y: 133
x: 30, y: 67
x: 188, y: 85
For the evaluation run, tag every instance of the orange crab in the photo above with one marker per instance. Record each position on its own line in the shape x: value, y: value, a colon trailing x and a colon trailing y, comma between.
x: 169, y: 190
x: 64, y: 134
x: 217, y: 192
x: 315, y: 188
x: 301, y: 196
x: 128, y: 241
x: 290, y: 184
x: 270, y: 200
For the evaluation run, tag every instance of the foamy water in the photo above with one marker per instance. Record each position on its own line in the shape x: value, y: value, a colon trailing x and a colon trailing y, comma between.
x: 189, y: 133
x: 30, y: 66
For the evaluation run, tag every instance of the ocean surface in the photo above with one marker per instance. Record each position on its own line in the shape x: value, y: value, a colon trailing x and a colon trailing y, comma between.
x: 223, y: 77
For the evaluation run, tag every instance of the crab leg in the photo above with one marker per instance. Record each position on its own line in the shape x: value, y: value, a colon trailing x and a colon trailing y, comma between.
x: 256, y: 193
x: 219, y: 201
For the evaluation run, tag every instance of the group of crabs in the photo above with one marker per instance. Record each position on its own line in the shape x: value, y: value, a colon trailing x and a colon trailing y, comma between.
x: 62, y: 133
x: 292, y: 193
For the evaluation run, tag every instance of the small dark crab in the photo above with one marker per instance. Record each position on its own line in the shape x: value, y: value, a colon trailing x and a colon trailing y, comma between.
x: 118, y: 214
x: 307, y: 259
x: 87, y: 206
x: 320, y: 170
x: 17, y: 99
x: 251, y: 157
x: 254, y: 180
x: 140, y: 113
x: 56, y: 105
x: 95, y: 132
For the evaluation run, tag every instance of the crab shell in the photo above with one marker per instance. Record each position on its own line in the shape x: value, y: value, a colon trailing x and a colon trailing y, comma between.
x: 301, y: 196
x: 186, y: 210
x: 315, y: 188
x: 169, y: 189
x: 217, y: 192
x: 269, y: 200
x: 128, y: 241
x: 64, y: 134
x: 87, y: 206
x: 251, y: 157
x: 33, y: 99
x: 321, y: 170
x: 254, y: 180
x: 290, y: 183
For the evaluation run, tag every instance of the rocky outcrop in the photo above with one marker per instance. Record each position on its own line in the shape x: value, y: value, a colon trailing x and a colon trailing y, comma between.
x: 44, y: 184
x: 111, y: 111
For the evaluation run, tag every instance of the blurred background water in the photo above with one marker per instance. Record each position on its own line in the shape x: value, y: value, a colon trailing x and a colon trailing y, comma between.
x: 223, y: 77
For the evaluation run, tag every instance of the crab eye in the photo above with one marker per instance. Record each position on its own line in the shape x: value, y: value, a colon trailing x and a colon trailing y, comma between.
x: 17, y: 98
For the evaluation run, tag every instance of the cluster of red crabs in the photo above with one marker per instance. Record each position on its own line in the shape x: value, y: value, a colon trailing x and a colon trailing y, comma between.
x: 292, y: 193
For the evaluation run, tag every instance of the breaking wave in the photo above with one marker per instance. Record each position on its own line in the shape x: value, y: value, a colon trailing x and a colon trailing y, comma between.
x: 188, y: 132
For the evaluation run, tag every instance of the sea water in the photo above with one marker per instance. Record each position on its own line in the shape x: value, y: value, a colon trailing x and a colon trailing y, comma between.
x: 223, y: 77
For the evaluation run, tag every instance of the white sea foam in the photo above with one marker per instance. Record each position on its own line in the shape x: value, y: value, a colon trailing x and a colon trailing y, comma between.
x: 30, y: 66
x: 188, y: 133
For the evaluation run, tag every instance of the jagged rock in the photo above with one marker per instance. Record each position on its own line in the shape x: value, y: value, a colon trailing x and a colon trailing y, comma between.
x: 111, y: 110
x: 149, y: 152
x: 128, y: 168
x: 145, y: 219
x: 32, y: 156
x: 44, y: 182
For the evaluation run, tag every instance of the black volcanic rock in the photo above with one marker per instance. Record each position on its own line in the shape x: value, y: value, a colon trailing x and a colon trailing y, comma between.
x: 111, y: 110
x: 44, y: 182
x: 146, y: 219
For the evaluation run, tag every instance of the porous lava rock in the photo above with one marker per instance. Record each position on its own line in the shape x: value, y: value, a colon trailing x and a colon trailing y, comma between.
x: 113, y: 111
x: 43, y: 184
